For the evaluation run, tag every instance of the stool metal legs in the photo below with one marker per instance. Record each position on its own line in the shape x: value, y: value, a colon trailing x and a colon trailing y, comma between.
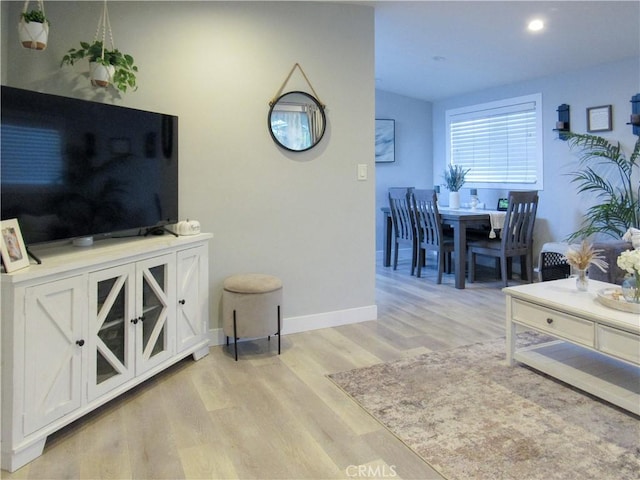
x: 235, y: 334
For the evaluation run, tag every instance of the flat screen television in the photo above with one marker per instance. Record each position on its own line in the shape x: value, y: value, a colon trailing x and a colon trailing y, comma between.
x: 77, y: 169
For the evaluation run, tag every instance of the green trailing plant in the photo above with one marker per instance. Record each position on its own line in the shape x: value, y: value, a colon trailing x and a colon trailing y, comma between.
x: 607, y: 173
x: 36, y: 16
x: 124, y: 75
x: 454, y: 177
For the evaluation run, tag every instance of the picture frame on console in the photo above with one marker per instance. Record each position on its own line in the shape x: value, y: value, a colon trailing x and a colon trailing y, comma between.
x: 12, y: 247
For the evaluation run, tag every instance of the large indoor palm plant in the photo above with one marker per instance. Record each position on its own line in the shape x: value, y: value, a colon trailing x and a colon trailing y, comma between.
x: 613, y: 178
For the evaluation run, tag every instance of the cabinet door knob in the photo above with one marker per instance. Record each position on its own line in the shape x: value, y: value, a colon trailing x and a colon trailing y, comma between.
x: 181, y: 302
x: 80, y: 342
x: 141, y: 318
x: 134, y: 321
x: 549, y: 321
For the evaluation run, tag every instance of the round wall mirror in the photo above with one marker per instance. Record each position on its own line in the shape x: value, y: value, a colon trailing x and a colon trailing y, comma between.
x: 297, y: 121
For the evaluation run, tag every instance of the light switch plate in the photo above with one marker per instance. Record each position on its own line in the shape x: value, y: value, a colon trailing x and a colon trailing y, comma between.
x: 362, y: 171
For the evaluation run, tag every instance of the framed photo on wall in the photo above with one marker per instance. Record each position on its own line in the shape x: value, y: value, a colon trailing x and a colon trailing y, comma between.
x: 385, y: 141
x: 12, y: 248
x: 599, y: 119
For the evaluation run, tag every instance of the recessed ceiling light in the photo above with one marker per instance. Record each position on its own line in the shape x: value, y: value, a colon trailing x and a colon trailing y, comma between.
x: 536, y: 25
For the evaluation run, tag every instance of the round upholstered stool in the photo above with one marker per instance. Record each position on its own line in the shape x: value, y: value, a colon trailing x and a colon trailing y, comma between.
x: 251, y: 307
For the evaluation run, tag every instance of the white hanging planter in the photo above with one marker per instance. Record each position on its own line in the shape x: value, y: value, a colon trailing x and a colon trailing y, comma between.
x: 101, y: 75
x: 33, y: 35
x: 33, y: 28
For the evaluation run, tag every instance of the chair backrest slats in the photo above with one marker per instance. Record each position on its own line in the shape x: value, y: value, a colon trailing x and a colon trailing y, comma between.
x: 401, y: 216
x: 428, y: 222
x: 517, y: 233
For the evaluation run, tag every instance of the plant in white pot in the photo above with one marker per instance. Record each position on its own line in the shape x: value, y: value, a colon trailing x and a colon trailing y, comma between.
x: 106, y: 66
x: 33, y: 28
x: 454, y: 180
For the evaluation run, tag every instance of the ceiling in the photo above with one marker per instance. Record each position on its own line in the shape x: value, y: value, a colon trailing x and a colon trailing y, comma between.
x: 438, y: 49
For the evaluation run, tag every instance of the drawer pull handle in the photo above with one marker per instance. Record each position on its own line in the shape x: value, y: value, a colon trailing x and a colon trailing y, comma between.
x: 549, y: 321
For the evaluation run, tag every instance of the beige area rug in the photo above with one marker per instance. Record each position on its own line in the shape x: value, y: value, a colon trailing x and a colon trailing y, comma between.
x: 470, y: 416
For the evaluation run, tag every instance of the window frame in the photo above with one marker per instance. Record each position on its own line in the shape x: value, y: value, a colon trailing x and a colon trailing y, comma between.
x: 504, y: 105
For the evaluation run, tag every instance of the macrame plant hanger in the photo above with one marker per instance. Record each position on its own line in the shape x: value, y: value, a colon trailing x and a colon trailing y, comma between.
x: 31, y: 34
x: 279, y: 92
x: 104, y: 25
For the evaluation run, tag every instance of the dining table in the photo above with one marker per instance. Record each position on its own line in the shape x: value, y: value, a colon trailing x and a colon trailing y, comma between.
x: 459, y: 219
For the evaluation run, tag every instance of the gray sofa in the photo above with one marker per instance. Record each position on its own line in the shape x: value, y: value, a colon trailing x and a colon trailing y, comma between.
x: 610, y: 251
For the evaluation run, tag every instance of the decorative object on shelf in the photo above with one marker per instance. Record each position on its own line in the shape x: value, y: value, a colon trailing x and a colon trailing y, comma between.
x: 296, y: 119
x: 12, y: 247
x: 454, y: 180
x: 630, y: 262
x: 634, y: 120
x: 106, y: 66
x: 385, y: 140
x: 33, y: 28
x: 580, y: 257
x: 599, y: 119
x: 563, y: 124
x: 609, y: 174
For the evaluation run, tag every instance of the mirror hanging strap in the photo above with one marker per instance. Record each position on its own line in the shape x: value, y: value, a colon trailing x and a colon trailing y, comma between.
x: 279, y: 92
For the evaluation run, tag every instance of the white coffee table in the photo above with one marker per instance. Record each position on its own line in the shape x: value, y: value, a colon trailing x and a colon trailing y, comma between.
x: 594, y: 348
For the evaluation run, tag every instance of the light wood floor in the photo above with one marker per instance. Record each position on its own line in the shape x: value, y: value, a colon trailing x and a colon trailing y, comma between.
x: 276, y: 417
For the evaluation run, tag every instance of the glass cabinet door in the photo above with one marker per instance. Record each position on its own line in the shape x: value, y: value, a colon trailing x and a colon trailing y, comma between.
x: 111, y: 307
x: 154, y: 335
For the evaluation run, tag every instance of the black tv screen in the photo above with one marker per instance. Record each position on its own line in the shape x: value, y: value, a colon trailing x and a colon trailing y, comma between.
x: 76, y: 168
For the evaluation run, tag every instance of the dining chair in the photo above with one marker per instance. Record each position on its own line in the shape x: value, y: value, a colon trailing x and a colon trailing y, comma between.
x: 516, y: 238
x: 403, y: 223
x: 429, y: 229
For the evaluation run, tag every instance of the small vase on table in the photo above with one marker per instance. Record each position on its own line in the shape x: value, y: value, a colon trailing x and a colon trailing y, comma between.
x: 582, y: 280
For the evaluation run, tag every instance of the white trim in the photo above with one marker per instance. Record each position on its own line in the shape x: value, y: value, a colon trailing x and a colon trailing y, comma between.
x: 317, y: 321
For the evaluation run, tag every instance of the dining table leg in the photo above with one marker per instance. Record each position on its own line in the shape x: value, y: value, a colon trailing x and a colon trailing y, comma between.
x: 460, y: 251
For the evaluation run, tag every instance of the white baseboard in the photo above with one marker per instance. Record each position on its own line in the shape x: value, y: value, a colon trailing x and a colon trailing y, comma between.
x: 314, y: 322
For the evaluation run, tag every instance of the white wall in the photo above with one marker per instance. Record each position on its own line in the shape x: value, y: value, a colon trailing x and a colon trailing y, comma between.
x: 560, y: 209
x: 301, y: 216
x: 413, y: 166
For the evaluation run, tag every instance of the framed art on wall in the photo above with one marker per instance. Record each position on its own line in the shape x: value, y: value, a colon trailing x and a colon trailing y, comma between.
x: 599, y: 119
x: 14, y: 253
x: 385, y: 140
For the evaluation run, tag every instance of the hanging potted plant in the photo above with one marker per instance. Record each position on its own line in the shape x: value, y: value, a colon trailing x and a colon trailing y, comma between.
x: 454, y: 180
x: 106, y: 65
x: 33, y: 28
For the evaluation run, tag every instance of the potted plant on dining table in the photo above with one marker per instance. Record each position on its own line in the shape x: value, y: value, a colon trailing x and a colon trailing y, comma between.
x: 454, y: 178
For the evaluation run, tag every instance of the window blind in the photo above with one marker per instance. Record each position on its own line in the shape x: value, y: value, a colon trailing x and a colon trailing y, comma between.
x: 498, y: 143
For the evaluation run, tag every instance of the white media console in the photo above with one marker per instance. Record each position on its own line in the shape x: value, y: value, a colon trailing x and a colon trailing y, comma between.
x: 90, y: 323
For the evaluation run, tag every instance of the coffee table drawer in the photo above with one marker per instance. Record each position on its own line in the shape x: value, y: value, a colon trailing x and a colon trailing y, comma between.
x: 619, y: 343
x: 556, y: 323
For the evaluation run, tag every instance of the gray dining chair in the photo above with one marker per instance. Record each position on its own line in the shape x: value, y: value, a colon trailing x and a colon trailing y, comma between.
x: 403, y: 223
x: 429, y: 230
x: 516, y: 238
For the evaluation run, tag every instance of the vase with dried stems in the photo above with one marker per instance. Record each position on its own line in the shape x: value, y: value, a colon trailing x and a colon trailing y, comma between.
x: 580, y: 257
